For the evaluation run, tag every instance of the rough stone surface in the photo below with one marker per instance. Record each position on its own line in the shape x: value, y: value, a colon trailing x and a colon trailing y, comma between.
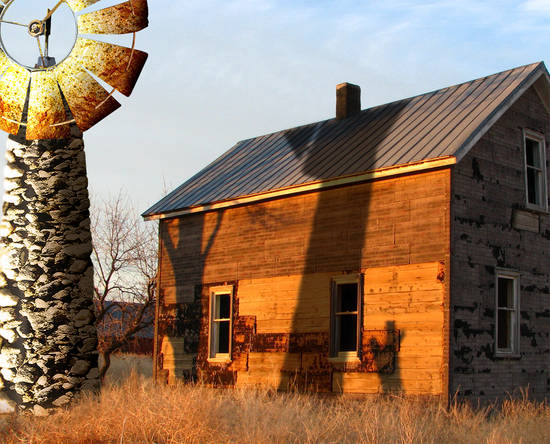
x: 8, y: 335
x: 39, y: 411
x: 7, y: 299
x: 6, y: 405
x: 47, y: 332
x: 61, y: 401
x: 80, y: 368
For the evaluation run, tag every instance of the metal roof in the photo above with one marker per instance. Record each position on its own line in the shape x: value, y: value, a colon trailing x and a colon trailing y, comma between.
x: 446, y: 122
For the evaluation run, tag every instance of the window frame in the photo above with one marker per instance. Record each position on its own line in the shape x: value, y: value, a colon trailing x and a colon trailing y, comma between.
x: 514, y: 350
x: 539, y: 138
x: 212, y: 339
x: 334, y: 354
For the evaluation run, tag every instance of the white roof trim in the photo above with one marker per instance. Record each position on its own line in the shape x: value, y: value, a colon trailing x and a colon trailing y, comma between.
x: 542, y: 87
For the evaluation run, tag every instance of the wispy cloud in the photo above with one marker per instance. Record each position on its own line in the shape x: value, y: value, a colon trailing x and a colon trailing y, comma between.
x: 537, y: 6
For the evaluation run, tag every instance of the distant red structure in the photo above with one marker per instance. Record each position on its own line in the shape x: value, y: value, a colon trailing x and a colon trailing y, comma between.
x: 120, y: 317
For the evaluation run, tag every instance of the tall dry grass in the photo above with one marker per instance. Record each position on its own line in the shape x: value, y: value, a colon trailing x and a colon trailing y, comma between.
x: 139, y: 412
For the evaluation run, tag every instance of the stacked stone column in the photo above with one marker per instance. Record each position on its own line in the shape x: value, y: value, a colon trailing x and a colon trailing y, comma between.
x: 48, y: 341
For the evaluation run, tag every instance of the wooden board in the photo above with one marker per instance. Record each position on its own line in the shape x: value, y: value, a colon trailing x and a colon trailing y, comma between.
x: 408, y: 298
x: 417, y: 382
x: 281, y: 257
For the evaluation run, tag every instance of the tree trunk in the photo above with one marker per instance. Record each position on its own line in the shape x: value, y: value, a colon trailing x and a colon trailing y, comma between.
x: 48, y: 342
x: 106, y: 358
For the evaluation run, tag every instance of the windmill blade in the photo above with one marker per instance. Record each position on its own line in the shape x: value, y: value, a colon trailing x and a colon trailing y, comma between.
x: 131, y: 16
x: 79, y: 5
x: 14, y: 85
x: 46, y: 108
x: 87, y: 99
x: 117, y: 65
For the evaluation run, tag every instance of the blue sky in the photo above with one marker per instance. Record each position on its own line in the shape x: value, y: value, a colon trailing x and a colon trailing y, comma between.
x: 225, y: 70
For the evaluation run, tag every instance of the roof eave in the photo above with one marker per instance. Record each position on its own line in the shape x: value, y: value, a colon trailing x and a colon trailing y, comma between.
x: 310, y: 186
x: 539, y: 78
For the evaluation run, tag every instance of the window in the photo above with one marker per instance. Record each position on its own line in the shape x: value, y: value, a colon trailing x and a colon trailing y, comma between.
x: 507, y: 312
x: 220, y: 322
x: 345, y: 316
x: 535, y: 171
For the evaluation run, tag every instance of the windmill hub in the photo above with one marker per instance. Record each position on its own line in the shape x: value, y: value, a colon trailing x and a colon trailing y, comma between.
x: 25, y: 32
x: 36, y: 28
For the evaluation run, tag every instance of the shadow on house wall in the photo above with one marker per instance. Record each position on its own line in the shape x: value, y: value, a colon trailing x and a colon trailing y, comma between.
x: 181, y: 317
x: 337, y: 242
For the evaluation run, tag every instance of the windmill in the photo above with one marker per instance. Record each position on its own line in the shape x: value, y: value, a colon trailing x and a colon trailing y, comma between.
x: 47, y: 335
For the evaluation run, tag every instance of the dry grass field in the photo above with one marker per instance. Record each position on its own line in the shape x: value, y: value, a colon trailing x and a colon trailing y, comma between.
x: 124, y: 364
x: 136, y: 411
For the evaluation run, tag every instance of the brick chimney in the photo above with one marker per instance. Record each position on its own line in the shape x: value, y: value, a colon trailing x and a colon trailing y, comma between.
x: 348, y: 100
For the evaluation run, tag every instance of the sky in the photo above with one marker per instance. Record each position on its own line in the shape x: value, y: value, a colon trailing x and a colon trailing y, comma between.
x: 220, y: 71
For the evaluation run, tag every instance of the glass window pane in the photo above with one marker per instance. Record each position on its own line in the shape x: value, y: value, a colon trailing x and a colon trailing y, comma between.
x: 223, y: 309
x: 223, y: 337
x: 347, y: 325
x: 347, y: 297
x: 504, y: 329
x: 505, y: 293
x: 533, y: 186
x: 532, y: 148
x: 213, y: 340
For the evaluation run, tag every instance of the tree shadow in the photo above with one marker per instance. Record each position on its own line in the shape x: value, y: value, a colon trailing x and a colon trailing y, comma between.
x: 181, y: 322
x: 386, y: 359
x: 341, y: 219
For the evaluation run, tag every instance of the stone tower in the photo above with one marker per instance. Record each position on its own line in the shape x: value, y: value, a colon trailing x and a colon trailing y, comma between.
x: 48, y: 337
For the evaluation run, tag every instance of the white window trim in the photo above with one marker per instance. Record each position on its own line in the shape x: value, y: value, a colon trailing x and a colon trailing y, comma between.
x: 514, y: 352
x: 346, y: 356
x: 214, y: 291
x: 533, y: 135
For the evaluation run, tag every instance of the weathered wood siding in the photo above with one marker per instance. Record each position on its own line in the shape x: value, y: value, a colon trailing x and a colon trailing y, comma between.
x: 488, y: 188
x: 280, y: 256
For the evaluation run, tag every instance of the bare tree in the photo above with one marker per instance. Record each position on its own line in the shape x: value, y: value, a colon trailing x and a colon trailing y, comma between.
x: 125, y: 267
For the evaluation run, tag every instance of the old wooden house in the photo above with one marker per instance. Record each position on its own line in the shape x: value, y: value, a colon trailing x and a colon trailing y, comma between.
x: 404, y: 247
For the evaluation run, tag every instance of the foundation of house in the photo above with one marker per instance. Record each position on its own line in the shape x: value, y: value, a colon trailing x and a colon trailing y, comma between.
x: 48, y: 340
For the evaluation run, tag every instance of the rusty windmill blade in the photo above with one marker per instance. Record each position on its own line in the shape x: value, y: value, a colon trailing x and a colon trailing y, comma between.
x: 116, y: 65
x: 131, y: 16
x: 13, y: 94
x: 88, y: 101
x: 79, y: 5
x: 47, y: 118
